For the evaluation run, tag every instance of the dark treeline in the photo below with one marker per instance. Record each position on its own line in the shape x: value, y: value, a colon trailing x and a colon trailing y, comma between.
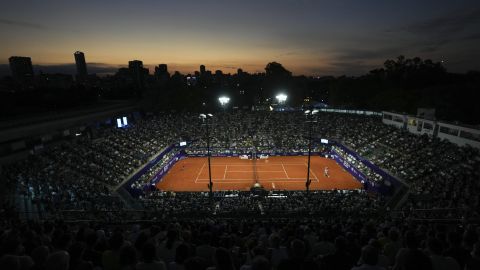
x: 401, y: 85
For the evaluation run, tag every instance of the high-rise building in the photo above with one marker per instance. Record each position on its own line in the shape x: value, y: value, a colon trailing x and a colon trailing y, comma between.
x: 219, y: 78
x: 161, y: 73
x: 202, y: 70
x: 22, y: 69
x: 81, y: 66
x: 138, y: 73
x: 162, y: 68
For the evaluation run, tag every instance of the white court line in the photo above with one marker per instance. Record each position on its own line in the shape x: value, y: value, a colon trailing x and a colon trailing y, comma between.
x: 197, y: 180
x: 249, y: 180
x: 316, y: 178
x: 198, y: 175
x: 261, y: 165
x: 254, y: 171
x: 225, y: 172
x: 302, y: 180
x: 285, y: 171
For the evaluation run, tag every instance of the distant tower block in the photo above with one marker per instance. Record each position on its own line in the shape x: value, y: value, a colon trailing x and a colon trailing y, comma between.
x: 81, y: 66
x: 22, y: 69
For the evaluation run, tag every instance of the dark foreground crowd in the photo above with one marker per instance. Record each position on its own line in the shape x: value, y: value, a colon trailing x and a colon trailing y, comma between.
x: 339, y: 242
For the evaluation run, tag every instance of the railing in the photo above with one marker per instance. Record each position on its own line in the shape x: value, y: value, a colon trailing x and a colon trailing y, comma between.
x: 440, y: 215
x: 447, y: 215
x: 129, y: 216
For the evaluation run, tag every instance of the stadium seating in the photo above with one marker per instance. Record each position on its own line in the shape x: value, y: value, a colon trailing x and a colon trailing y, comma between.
x: 76, y: 180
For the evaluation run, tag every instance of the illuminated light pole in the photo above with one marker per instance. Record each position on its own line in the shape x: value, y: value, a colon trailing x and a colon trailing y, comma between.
x: 309, y: 114
x: 224, y: 101
x: 205, y: 118
x: 281, y: 98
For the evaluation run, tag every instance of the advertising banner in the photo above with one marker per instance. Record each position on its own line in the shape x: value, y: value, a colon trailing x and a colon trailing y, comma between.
x: 258, y: 154
x: 372, y: 166
x: 347, y: 166
x: 389, y: 179
x: 128, y: 184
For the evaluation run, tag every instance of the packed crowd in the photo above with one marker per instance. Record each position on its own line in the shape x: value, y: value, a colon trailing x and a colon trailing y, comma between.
x: 75, y: 180
x: 324, y: 203
x: 81, y: 174
x: 370, y: 174
x: 153, y: 171
x: 439, y: 173
x: 335, y: 242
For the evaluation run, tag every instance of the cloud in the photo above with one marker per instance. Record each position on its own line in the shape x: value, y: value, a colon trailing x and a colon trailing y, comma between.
x: 231, y: 67
x: 433, y: 34
x: 448, y: 24
x: 22, y: 24
x: 99, y: 68
x: 474, y: 36
x: 353, y: 54
x: 429, y: 49
x: 336, y: 67
x: 354, y: 68
x: 70, y: 68
x: 290, y: 53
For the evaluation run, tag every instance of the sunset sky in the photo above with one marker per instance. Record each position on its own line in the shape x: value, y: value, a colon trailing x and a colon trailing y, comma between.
x: 308, y: 37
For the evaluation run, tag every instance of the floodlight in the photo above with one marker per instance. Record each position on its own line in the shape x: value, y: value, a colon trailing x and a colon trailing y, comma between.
x: 211, y: 115
x: 223, y: 100
x: 202, y: 115
x: 315, y: 111
x: 307, y: 111
x: 281, y: 98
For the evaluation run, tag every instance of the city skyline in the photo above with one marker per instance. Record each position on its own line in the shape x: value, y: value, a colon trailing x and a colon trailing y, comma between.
x: 308, y: 37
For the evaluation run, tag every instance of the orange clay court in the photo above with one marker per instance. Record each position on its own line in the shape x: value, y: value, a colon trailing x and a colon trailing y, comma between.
x: 280, y: 173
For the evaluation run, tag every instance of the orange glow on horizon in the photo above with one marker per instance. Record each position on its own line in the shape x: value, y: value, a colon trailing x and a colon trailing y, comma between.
x: 180, y: 58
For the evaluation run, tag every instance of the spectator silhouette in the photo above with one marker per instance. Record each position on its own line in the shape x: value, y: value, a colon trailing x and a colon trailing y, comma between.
x: 149, y: 258
x: 111, y: 257
x: 181, y: 254
x: 128, y: 257
x: 340, y: 259
x: 369, y: 259
x: 439, y: 262
x: 223, y: 260
x: 455, y: 249
x: 411, y: 257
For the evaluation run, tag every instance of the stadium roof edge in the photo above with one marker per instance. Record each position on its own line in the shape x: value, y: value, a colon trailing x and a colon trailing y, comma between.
x: 34, y: 126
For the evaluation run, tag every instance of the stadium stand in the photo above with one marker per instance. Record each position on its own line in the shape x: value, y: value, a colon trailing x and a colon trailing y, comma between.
x: 73, y: 218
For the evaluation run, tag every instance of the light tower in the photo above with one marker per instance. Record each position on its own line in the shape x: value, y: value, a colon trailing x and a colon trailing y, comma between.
x: 281, y: 98
x: 310, y: 120
x: 205, y: 119
x: 224, y: 101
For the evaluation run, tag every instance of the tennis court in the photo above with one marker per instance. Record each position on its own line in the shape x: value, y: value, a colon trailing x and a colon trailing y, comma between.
x: 280, y: 173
